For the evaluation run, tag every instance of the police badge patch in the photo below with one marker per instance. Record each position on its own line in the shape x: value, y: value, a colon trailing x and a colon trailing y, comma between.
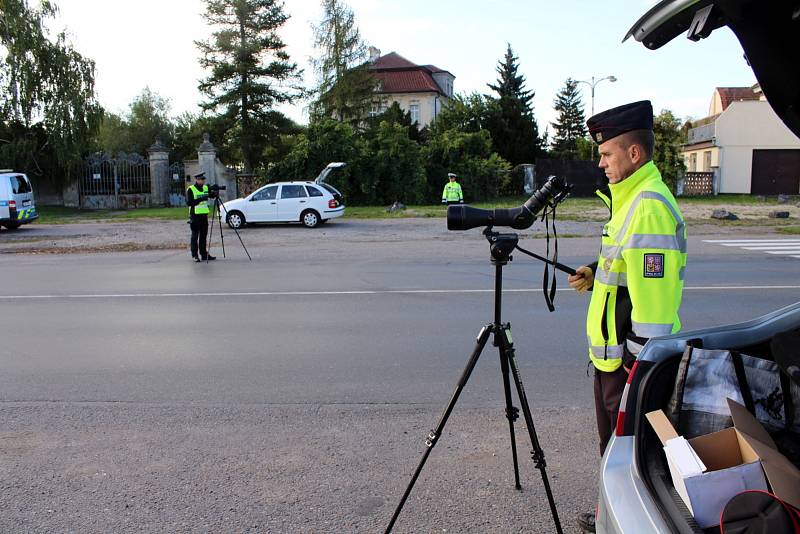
x: 654, y: 266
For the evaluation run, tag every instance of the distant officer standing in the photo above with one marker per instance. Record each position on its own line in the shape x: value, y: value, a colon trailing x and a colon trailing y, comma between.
x: 637, y: 281
x: 452, y: 193
x: 197, y: 196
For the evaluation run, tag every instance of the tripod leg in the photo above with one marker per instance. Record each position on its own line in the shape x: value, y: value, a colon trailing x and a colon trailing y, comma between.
x: 219, y: 220
x: 210, y: 235
x: 512, y: 413
x: 235, y: 231
x: 538, y: 454
x: 433, y: 436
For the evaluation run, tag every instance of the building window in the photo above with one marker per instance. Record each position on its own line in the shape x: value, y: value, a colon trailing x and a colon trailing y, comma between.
x: 413, y: 109
x: 693, y: 162
x: 707, y: 161
x: 377, y: 108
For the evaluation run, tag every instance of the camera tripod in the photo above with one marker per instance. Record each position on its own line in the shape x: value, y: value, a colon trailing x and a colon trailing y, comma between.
x: 215, y: 213
x: 501, y: 247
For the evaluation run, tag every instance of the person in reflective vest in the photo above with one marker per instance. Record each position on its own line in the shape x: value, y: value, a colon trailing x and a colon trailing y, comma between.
x: 197, y: 198
x: 452, y: 193
x: 637, y: 281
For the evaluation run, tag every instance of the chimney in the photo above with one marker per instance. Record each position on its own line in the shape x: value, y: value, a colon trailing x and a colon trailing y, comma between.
x: 374, y: 54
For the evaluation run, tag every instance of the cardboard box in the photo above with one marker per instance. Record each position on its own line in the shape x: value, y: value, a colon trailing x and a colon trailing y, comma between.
x: 708, y: 470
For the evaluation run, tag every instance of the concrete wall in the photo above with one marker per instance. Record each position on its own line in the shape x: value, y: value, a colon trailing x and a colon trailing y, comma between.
x: 742, y: 128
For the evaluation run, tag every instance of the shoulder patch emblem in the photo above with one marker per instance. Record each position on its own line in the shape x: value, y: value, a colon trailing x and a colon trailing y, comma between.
x: 654, y: 266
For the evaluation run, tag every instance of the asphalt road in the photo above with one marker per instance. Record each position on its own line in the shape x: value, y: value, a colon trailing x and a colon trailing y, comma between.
x: 141, y: 391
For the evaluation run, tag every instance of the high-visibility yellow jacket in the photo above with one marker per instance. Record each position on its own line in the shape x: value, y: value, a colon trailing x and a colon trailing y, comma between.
x: 201, y: 208
x: 639, y: 274
x: 452, y: 192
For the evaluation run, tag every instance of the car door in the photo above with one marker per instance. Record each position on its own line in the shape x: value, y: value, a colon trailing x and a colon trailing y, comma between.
x: 263, y: 205
x: 293, y: 200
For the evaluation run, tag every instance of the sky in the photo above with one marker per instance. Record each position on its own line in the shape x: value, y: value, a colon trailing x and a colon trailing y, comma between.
x: 151, y: 43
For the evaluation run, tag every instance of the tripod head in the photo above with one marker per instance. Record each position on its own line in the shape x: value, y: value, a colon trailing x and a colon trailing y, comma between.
x: 501, y: 245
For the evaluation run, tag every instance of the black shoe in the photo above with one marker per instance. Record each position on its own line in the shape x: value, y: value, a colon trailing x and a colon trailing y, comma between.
x: 210, y: 258
x: 196, y: 259
x: 586, y: 521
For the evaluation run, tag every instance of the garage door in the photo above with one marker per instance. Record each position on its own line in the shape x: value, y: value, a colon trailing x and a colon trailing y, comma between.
x: 775, y: 172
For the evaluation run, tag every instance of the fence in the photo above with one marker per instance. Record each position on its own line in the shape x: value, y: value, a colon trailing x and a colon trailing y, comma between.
x: 697, y: 183
x: 585, y: 176
x: 120, y: 182
x: 178, y: 182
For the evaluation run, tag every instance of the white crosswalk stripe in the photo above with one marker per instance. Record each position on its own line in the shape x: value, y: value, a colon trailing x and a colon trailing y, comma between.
x: 781, y: 247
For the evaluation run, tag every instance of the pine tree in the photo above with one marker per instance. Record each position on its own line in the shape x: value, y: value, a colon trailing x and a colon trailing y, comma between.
x: 570, y: 124
x: 250, y: 70
x: 345, y: 89
x: 515, y: 134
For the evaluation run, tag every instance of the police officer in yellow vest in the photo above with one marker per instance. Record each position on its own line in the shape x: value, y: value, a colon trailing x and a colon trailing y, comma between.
x: 197, y: 198
x: 637, y: 281
x: 452, y: 193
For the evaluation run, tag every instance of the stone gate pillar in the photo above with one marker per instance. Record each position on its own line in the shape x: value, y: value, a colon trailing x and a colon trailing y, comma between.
x: 207, y: 159
x: 159, y: 174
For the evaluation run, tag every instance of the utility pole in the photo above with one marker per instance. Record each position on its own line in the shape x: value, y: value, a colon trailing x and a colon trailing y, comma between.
x: 593, y: 83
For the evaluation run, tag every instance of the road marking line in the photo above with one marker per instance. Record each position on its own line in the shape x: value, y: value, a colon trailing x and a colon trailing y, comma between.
x: 341, y: 293
x: 773, y: 247
x: 735, y: 241
x: 792, y: 251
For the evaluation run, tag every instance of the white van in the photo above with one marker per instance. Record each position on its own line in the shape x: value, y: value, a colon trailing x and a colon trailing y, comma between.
x: 16, y: 200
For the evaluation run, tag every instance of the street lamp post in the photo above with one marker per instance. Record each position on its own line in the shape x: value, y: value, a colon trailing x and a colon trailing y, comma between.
x: 593, y: 83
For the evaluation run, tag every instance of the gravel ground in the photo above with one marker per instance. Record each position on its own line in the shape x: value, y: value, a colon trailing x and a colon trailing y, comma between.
x: 116, y: 467
x: 168, y: 235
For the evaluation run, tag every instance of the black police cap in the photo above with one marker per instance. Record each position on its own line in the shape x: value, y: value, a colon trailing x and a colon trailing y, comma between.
x: 617, y: 121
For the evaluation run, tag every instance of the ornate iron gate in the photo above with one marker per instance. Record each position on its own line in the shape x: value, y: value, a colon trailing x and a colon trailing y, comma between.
x: 178, y: 182
x: 115, y: 183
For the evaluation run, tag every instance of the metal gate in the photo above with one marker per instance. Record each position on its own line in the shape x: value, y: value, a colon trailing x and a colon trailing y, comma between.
x: 178, y: 182
x: 120, y: 182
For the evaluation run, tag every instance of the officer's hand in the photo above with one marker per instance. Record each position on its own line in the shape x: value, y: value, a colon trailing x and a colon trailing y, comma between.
x: 444, y: 201
x: 582, y: 281
x: 461, y: 201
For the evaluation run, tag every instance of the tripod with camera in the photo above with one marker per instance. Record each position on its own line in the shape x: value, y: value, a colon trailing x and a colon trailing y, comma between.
x: 216, y: 213
x: 501, y: 246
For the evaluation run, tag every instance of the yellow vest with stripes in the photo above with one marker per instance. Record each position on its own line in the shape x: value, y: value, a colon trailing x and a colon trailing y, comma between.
x: 640, y: 269
x: 202, y: 207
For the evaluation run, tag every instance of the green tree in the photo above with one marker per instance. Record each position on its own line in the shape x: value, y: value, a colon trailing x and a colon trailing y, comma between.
x: 466, y: 113
x: 345, y: 88
x: 251, y: 71
x: 394, y: 114
x: 325, y: 140
x: 396, y: 172
x: 468, y: 154
x: 570, y: 125
x: 148, y: 118
x: 667, y: 155
x: 512, y: 125
x: 46, y: 90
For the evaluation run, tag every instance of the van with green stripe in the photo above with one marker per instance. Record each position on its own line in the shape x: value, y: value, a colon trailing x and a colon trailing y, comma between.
x: 17, y: 206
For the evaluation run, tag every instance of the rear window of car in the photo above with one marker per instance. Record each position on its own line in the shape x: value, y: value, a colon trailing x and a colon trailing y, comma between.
x: 293, y: 191
x: 313, y: 191
x: 332, y: 190
x: 20, y: 185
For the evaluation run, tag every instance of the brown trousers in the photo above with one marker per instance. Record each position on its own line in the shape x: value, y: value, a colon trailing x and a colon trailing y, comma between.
x: 607, y: 395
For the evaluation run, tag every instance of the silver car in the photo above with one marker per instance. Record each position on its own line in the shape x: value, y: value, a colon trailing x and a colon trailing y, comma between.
x: 636, y: 491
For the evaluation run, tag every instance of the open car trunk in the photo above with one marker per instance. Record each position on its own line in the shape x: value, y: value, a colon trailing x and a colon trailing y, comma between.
x: 656, y: 390
x: 769, y: 33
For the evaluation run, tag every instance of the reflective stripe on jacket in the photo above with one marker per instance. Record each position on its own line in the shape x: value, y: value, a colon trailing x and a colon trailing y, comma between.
x: 640, y: 270
x: 202, y: 207
x: 452, y: 192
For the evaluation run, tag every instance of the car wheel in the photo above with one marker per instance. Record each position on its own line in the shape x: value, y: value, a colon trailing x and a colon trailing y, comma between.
x: 235, y: 220
x: 310, y: 219
x: 13, y: 226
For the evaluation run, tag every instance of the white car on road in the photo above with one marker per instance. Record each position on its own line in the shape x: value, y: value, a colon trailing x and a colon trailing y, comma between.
x: 309, y: 203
